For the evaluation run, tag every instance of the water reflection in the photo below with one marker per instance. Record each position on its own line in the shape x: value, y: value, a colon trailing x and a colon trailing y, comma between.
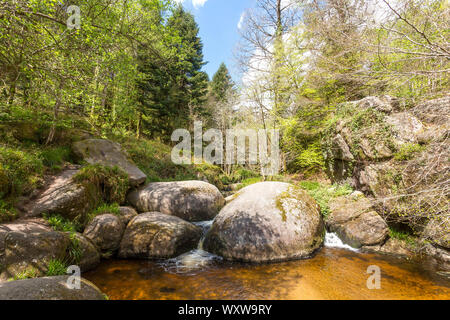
x: 332, y: 274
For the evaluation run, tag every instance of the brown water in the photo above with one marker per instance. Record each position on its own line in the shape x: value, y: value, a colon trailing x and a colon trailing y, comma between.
x: 332, y: 274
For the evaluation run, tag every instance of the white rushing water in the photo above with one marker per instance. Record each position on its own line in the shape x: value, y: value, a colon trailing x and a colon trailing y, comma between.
x: 333, y: 241
x: 194, y: 260
x: 198, y: 259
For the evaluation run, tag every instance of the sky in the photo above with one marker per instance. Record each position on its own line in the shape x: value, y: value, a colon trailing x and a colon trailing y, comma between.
x: 218, y: 21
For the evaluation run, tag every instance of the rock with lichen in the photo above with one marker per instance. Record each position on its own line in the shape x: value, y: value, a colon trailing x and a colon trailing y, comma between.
x: 267, y: 222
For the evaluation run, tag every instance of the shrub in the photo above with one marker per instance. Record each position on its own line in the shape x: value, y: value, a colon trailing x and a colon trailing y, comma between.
x: 111, y: 182
x: 54, y: 157
x: 19, y: 171
x: 407, y: 151
x: 324, y: 193
x: 7, y: 212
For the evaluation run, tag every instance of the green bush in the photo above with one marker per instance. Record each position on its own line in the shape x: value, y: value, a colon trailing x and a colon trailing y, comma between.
x: 111, y: 182
x: 54, y: 157
x: 19, y: 171
x: 407, y: 151
x: 7, y: 212
x: 324, y: 193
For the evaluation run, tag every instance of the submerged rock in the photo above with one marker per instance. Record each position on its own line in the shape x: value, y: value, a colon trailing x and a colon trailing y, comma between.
x: 189, y: 200
x: 267, y: 222
x: 49, y: 288
x: 157, y: 236
x: 108, y: 153
x: 105, y: 231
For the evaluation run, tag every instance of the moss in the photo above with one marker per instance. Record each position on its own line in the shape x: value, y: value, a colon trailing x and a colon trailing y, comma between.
x: 407, y: 151
x: 111, y: 183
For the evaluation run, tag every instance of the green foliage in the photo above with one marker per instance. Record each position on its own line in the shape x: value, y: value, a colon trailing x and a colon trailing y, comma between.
x: 7, y: 212
x: 403, y: 236
x: 59, y: 223
x: 221, y: 83
x: 56, y: 267
x: 74, y: 252
x: 407, y: 151
x: 103, y: 209
x: 324, y: 193
x: 27, y: 274
x: 111, y: 182
x: 55, y: 157
x: 19, y: 171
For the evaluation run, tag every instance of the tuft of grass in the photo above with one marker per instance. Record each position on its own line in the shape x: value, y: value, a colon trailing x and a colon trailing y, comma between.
x: 74, y: 252
x: 55, y: 157
x: 324, y: 193
x: 27, y: 274
x: 59, y: 223
x: 56, y: 268
x: 111, y: 182
x: 103, y: 209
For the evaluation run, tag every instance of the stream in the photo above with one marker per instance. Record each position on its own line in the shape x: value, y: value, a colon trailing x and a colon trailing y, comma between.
x: 337, y: 272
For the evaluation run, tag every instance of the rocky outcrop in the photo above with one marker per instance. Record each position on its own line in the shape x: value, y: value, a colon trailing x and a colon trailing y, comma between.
x: 393, y: 247
x: 65, y: 197
x: 106, y: 232
x: 267, y: 222
x: 49, y: 288
x: 399, y: 156
x: 32, y: 252
x: 108, y: 153
x: 355, y: 222
x: 189, y: 200
x: 158, y: 236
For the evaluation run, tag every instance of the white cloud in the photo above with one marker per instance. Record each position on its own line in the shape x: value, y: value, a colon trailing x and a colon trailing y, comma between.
x: 198, y: 3
x: 195, y: 3
x: 241, y: 20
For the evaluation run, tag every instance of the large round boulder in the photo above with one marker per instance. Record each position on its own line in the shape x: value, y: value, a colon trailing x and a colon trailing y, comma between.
x: 49, y: 288
x: 267, y: 222
x: 89, y: 253
x: 105, y: 231
x: 158, y: 236
x: 189, y: 200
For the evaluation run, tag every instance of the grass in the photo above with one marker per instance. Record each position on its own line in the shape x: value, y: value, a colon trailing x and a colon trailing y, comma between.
x: 402, y: 236
x: 27, y: 274
x: 7, y: 212
x: 53, y: 158
x: 407, y: 151
x: 56, y: 268
x: 103, y: 209
x: 324, y: 193
x: 59, y: 223
x: 111, y: 182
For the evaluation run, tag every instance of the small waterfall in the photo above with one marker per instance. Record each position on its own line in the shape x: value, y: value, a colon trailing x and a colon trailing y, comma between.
x: 333, y: 241
x: 195, y: 260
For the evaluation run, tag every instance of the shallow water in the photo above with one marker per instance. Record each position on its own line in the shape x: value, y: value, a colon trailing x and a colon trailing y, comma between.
x: 334, y: 273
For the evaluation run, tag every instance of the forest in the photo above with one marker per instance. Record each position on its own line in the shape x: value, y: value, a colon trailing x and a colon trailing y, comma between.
x: 357, y: 89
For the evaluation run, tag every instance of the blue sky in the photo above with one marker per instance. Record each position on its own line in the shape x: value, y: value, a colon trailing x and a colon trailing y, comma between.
x: 218, y: 21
